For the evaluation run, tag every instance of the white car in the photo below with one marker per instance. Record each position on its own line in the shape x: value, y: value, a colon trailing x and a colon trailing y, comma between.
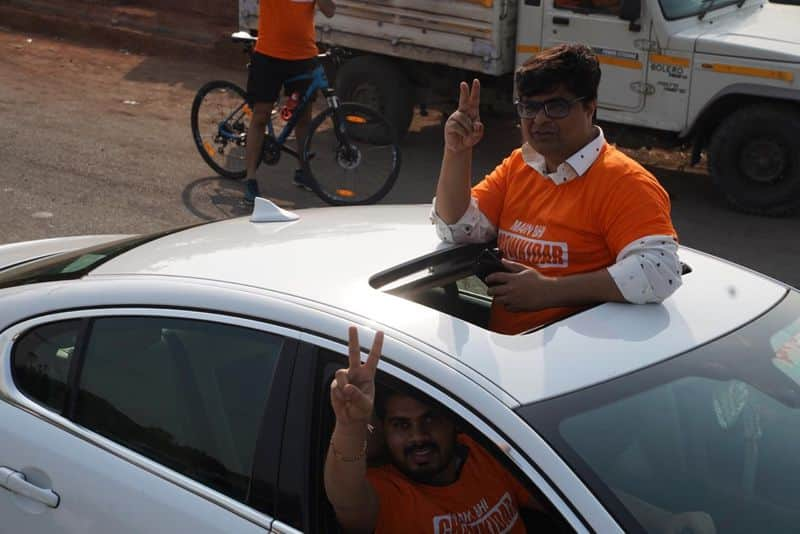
x: 179, y: 383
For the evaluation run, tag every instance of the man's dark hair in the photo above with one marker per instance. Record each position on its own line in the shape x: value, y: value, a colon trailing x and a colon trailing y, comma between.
x: 572, y: 65
x: 383, y: 394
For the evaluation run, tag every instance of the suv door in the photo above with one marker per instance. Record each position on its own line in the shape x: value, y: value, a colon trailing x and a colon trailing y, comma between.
x: 140, y: 423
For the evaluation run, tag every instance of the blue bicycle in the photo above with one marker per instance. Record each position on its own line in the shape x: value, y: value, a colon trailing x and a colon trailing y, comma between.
x: 350, y: 155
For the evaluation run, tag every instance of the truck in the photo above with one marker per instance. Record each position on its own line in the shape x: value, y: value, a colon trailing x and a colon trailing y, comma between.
x: 720, y: 76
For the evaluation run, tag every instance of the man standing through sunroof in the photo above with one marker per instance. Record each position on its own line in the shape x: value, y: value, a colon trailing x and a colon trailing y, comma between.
x: 578, y: 222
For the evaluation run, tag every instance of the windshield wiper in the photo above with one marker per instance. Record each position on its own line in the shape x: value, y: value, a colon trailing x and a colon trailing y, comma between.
x: 707, y: 4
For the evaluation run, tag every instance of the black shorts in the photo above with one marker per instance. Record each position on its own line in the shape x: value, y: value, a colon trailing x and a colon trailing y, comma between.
x: 266, y: 76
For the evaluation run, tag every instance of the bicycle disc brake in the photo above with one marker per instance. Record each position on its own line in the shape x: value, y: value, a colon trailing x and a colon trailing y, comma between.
x: 348, y: 157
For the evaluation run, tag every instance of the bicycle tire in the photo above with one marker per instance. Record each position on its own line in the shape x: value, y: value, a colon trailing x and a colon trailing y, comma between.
x: 372, y: 144
x: 226, y: 157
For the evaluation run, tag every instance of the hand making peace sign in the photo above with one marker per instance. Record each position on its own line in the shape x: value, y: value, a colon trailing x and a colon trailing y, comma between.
x: 464, y: 128
x: 353, y: 389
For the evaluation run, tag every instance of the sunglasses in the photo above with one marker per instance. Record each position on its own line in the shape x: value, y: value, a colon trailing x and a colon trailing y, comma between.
x: 557, y: 108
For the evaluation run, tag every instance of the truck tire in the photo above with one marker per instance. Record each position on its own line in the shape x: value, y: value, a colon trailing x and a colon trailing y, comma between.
x: 754, y: 158
x: 377, y: 83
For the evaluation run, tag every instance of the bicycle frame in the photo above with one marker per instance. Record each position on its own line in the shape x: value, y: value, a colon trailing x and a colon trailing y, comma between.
x: 319, y: 82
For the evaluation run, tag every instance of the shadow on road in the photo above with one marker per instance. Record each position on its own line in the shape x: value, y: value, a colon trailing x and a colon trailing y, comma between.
x: 213, y: 198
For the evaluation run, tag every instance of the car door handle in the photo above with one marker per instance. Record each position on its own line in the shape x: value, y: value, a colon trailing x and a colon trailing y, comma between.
x: 16, y: 482
x: 562, y: 21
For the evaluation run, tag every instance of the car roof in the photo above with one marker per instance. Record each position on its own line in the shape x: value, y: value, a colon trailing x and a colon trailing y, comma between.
x: 328, y: 256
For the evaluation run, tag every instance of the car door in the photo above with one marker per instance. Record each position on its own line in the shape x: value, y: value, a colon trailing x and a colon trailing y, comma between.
x: 621, y: 47
x: 302, y: 505
x: 140, y: 421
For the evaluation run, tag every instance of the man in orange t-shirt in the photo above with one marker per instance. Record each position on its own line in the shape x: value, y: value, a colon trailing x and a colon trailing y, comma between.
x: 578, y: 222
x: 286, y: 48
x: 438, y: 480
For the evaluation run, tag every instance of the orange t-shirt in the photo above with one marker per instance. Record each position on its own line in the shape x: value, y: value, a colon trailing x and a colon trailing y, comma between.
x: 286, y: 29
x: 485, y: 498
x: 576, y: 227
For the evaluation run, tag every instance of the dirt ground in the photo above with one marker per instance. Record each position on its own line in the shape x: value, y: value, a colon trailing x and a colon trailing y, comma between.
x: 157, y: 88
x: 98, y: 141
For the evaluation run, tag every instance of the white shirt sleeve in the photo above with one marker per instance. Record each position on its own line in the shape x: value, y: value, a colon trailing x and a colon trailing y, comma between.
x: 472, y: 227
x: 648, y: 269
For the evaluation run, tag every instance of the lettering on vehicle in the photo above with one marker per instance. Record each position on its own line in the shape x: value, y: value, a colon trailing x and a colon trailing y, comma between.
x: 618, y: 58
x: 786, y: 344
x: 673, y: 71
x: 671, y: 87
x: 610, y: 52
x: 480, y: 519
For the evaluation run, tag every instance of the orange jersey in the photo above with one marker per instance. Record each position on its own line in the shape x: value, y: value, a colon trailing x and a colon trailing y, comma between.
x: 576, y: 227
x: 286, y: 29
x: 485, y: 498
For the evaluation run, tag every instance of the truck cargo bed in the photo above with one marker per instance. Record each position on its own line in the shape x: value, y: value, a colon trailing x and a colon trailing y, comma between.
x: 476, y: 35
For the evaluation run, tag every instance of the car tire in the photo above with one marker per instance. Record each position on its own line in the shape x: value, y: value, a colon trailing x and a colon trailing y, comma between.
x: 754, y: 159
x: 378, y: 83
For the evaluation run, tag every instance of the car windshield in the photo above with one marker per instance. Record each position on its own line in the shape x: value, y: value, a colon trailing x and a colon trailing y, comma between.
x: 73, y: 264
x: 714, y: 430
x: 678, y: 9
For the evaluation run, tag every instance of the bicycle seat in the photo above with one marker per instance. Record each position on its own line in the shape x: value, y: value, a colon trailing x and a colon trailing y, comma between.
x: 242, y: 37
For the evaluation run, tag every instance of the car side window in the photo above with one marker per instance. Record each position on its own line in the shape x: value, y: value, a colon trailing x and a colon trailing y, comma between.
x: 541, y: 517
x: 41, y: 362
x: 188, y: 394
x: 609, y: 7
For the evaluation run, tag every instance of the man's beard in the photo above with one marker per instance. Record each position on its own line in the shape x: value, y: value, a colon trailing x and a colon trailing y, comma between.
x: 427, y: 474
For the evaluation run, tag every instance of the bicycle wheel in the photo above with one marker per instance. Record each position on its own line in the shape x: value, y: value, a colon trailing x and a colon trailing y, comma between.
x: 351, y: 155
x: 220, y: 118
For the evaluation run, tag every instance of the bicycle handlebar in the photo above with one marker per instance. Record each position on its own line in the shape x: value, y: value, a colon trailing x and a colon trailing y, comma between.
x: 335, y: 54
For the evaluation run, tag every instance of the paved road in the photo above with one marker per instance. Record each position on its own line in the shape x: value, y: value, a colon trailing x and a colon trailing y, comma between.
x: 97, y: 141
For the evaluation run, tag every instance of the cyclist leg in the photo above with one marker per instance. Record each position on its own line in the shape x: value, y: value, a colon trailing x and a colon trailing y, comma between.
x: 301, y: 128
x: 255, y: 136
x: 303, y: 66
x: 300, y: 132
x: 263, y: 87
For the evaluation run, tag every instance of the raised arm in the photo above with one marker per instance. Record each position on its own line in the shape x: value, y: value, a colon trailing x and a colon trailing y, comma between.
x: 352, y: 396
x: 462, y: 131
x: 328, y: 7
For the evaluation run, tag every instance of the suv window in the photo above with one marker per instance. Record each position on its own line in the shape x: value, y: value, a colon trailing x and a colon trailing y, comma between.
x: 611, y: 7
x: 41, y: 361
x: 189, y: 394
x: 678, y: 9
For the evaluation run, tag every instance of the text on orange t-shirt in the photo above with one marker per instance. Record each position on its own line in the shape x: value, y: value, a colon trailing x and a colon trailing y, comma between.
x: 485, y: 498
x: 576, y: 227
